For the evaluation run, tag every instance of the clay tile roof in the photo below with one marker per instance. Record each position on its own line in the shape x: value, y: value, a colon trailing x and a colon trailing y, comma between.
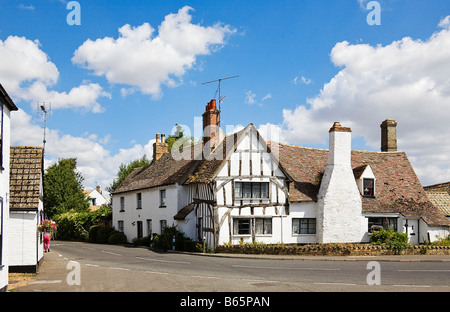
x: 397, y: 187
x: 441, y: 200
x: 441, y: 187
x: 26, y: 173
x: 165, y: 171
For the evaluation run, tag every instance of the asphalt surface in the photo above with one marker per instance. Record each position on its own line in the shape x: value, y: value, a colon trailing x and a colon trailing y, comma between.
x: 82, y: 267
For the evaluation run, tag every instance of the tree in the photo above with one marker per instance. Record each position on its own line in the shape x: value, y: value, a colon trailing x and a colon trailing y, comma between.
x: 63, y: 189
x: 179, y: 136
x: 125, y: 170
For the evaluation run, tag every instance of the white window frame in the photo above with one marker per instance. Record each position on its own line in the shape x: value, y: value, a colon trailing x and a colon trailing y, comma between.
x: 162, y: 198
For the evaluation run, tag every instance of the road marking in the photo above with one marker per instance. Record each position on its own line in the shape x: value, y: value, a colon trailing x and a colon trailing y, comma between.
x: 282, y: 268
x: 344, y: 284
x: 124, y: 269
x: 111, y: 253
x: 203, y: 276
x: 92, y: 265
x: 167, y: 261
x: 424, y: 286
x: 153, y: 272
x: 47, y: 282
x: 423, y: 270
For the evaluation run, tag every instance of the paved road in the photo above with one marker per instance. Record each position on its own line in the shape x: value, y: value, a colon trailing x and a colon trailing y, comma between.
x: 82, y: 267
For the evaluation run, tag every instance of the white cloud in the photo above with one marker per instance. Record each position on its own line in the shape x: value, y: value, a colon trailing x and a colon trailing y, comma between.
x: 142, y: 59
x: 95, y: 162
x: 406, y: 80
x: 302, y: 80
x: 28, y: 74
x: 26, y: 7
x: 250, y: 97
x: 445, y: 22
x: 268, y: 96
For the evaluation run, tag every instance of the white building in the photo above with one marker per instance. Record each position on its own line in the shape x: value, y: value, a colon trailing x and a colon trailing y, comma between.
x: 241, y: 189
x: 97, y: 198
x: 7, y: 106
x: 26, y: 208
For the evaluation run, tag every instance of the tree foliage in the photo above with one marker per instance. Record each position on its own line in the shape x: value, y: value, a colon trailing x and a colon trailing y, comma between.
x: 63, y: 189
x: 179, y: 137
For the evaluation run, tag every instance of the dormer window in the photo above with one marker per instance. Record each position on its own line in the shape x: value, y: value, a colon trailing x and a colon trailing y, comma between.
x: 365, y: 180
x: 368, y: 187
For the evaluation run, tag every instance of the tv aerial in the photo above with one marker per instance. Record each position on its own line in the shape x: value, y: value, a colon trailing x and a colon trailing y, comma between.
x: 218, y: 89
x: 44, y: 108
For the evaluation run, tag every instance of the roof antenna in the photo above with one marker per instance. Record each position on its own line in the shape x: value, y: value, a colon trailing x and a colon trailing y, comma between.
x: 218, y: 90
x: 43, y: 109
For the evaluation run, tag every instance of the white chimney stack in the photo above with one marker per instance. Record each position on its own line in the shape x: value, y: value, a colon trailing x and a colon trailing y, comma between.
x: 339, y: 215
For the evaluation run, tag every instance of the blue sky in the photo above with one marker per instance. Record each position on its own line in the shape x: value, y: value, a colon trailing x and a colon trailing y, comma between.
x: 302, y: 65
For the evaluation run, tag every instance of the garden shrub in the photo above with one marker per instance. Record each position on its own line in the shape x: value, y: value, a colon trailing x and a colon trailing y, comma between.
x: 74, y: 225
x: 103, y: 234
x: 117, y: 237
x: 93, y: 233
x: 394, y: 240
x: 143, y: 241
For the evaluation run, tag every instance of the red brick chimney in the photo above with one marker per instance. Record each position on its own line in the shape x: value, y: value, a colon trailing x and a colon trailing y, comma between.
x: 211, y: 124
x: 159, y: 147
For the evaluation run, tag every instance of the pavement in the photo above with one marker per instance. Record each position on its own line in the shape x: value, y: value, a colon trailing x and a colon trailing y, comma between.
x: 390, y: 258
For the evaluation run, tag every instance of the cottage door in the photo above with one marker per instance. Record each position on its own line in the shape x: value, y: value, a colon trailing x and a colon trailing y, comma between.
x: 412, y: 229
x: 139, y: 229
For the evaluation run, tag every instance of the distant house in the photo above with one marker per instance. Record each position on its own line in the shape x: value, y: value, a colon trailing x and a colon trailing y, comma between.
x: 26, y: 208
x: 7, y: 106
x: 439, y: 195
x: 243, y: 189
x: 96, y: 198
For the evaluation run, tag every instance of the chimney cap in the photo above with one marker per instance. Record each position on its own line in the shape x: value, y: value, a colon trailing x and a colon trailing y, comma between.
x: 337, y: 127
x: 389, y: 122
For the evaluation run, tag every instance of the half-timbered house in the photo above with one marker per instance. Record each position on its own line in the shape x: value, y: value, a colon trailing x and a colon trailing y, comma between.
x: 240, y: 188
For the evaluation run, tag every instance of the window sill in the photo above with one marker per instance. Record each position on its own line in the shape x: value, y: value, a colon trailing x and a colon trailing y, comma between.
x: 296, y: 235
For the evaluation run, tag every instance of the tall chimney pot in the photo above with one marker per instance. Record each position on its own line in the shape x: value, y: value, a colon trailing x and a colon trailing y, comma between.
x: 160, y: 147
x: 211, y: 124
x: 389, y: 136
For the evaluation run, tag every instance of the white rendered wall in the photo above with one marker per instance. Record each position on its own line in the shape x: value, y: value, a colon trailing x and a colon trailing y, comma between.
x: 339, y: 218
x: 4, y: 194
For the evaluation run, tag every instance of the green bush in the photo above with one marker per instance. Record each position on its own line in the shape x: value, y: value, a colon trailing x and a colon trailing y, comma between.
x: 93, y: 233
x: 74, y: 225
x: 193, y: 246
x: 394, y: 240
x: 117, y: 237
x: 103, y: 234
x: 143, y: 241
